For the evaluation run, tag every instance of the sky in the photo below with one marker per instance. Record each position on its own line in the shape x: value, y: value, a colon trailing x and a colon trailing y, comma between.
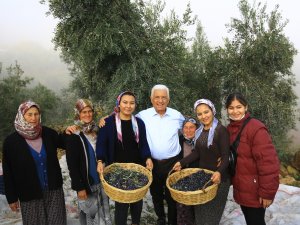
x: 24, y: 23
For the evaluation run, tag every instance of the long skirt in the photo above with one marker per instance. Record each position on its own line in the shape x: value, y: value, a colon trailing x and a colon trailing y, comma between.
x: 211, y: 212
x: 46, y: 211
x: 95, y: 209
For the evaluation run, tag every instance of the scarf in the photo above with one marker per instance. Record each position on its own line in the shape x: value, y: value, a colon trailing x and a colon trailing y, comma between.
x: 134, y: 126
x: 25, y: 129
x: 210, y: 133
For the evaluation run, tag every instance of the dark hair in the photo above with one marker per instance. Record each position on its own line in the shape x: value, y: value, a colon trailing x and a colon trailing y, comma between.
x: 236, y: 96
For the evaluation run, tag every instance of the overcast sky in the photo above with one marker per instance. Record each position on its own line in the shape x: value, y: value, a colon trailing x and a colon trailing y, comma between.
x: 26, y: 21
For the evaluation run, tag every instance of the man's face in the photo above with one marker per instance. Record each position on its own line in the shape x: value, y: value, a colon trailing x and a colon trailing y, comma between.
x: 160, y: 101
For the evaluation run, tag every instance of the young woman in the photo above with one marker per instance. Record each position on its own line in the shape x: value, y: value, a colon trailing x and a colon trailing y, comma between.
x: 82, y: 164
x: 32, y: 175
x: 257, y: 171
x: 211, y: 150
x: 123, y: 139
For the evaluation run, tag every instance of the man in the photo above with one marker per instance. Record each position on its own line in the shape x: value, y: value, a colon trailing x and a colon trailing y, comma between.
x: 162, y: 125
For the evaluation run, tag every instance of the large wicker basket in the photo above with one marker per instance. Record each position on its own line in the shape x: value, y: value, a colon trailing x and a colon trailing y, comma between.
x: 126, y: 196
x: 190, y: 197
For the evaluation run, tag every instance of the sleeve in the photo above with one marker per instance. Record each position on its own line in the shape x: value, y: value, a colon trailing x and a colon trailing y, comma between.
x: 267, y: 163
x: 190, y: 158
x: 102, y: 143
x: 145, y: 150
x: 223, y: 145
x: 9, y: 186
x: 73, y: 148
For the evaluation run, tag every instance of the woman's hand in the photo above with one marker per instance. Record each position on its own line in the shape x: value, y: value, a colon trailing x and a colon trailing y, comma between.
x: 82, y: 195
x: 177, y: 166
x: 102, y: 121
x: 71, y: 129
x: 14, y: 206
x: 149, y: 164
x: 265, y: 202
x: 216, y: 177
x: 100, y: 166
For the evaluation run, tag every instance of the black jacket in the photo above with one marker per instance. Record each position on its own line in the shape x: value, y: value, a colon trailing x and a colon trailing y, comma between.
x: 20, y: 175
x: 77, y: 159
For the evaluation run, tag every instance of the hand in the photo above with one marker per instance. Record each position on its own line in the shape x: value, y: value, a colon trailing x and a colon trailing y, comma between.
x: 149, y: 164
x: 14, y: 206
x: 71, y: 129
x: 265, y: 202
x: 82, y: 195
x: 177, y: 166
x: 102, y: 121
x: 216, y: 177
x: 100, y: 167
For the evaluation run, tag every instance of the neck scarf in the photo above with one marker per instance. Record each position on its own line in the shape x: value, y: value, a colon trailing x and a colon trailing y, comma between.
x: 210, y: 133
x: 25, y: 129
x: 134, y: 126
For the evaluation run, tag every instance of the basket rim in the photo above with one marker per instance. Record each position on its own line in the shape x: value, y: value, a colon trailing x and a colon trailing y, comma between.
x: 200, y: 191
x: 149, y: 176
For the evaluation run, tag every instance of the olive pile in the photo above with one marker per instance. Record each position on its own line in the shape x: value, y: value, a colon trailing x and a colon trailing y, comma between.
x: 125, y: 179
x: 192, y: 182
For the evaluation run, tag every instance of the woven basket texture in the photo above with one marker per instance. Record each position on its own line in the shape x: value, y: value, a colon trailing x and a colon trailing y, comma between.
x: 190, y: 197
x: 126, y: 196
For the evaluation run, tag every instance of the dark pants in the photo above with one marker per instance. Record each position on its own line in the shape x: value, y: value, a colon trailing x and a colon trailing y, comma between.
x: 160, y: 192
x: 121, y: 212
x: 254, y: 216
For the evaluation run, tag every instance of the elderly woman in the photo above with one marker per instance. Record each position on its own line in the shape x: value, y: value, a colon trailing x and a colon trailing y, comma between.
x: 211, y: 150
x: 82, y: 164
x: 32, y: 175
x: 123, y: 139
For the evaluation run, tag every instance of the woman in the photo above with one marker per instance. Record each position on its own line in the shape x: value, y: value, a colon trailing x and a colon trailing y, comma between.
x: 185, y: 213
x: 211, y: 149
x: 82, y: 164
x: 123, y: 140
x: 32, y: 175
x: 257, y: 171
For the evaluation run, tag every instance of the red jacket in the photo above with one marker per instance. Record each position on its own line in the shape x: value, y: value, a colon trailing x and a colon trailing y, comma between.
x: 257, y: 170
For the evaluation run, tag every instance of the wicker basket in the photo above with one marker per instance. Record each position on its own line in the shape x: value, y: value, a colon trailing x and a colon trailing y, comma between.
x: 190, y: 197
x: 126, y: 196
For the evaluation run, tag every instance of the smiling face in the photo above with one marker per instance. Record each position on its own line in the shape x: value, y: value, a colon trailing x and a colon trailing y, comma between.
x: 86, y: 115
x: 189, y: 130
x: 236, y: 110
x: 127, y: 106
x: 205, y: 115
x: 32, y: 116
x: 160, y: 101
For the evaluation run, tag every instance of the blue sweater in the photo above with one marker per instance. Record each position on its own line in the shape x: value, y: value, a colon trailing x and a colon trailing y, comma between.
x: 107, y: 140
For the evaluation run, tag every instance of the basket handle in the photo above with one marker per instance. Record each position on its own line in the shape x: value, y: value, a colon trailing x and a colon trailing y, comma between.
x: 102, y: 178
x: 205, y: 185
x: 170, y: 172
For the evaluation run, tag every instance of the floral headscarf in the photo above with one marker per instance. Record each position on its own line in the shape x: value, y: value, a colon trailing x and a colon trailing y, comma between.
x: 79, y: 106
x: 215, y: 121
x: 25, y: 129
x: 118, y: 120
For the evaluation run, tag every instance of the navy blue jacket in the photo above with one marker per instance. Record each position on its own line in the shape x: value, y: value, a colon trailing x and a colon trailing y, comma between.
x: 107, y: 139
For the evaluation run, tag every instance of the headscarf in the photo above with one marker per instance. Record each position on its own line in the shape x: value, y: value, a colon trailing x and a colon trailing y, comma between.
x: 118, y: 120
x: 25, y: 129
x: 84, y: 127
x: 214, y: 124
x: 189, y: 141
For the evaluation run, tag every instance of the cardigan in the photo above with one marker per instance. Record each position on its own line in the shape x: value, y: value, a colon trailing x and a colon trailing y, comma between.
x: 19, y: 170
x: 107, y: 139
x: 78, y: 162
x: 257, y: 169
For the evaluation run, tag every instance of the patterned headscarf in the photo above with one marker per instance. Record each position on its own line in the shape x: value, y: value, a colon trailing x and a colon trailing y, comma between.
x: 118, y: 120
x: 214, y: 125
x: 189, y: 141
x: 84, y: 127
x: 25, y: 129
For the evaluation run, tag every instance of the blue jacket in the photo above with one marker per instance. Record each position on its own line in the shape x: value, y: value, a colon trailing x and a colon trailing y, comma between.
x: 107, y: 139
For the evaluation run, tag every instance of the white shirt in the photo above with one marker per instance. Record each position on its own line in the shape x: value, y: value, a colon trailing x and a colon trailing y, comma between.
x: 162, y: 132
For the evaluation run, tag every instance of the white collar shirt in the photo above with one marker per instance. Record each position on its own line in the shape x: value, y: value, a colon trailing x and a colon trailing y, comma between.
x: 162, y: 132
